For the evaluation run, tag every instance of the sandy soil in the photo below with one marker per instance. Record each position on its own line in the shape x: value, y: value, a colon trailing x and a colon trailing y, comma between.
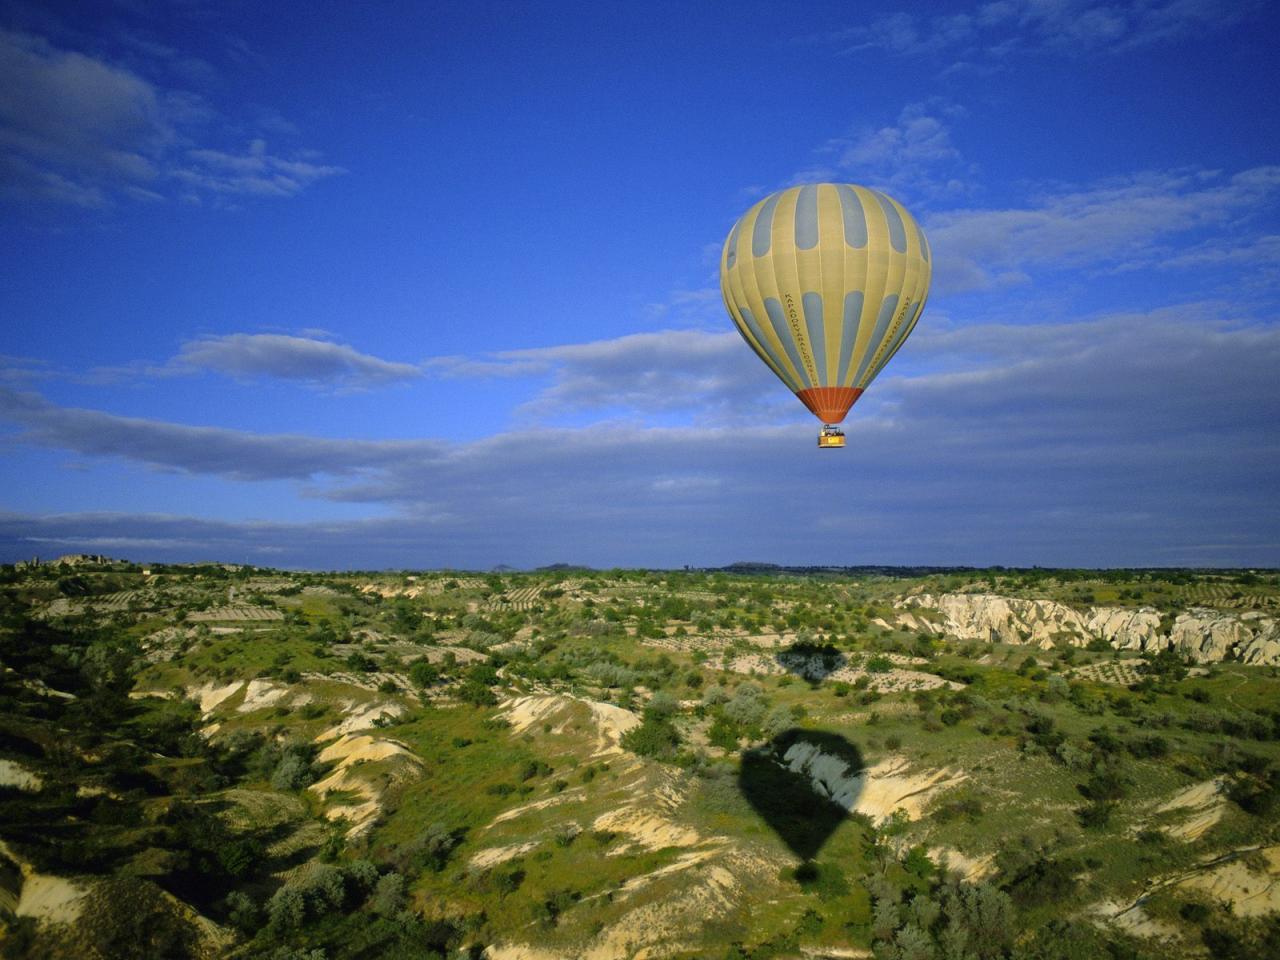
x: 49, y: 898
x: 877, y: 791
x: 610, y: 721
x: 349, y: 752
x: 485, y: 859
x: 684, y: 862
x: 646, y: 829
x: 210, y: 695
x: 554, y: 801
x: 1205, y: 805
x: 43, y: 896
x: 1133, y: 920
x: 971, y: 868
x: 519, y: 951
x: 1248, y: 892
x: 13, y: 774
x: 653, y: 929
x: 263, y: 693
x: 891, y: 681
x: 360, y: 716
x: 525, y: 712
x: 888, y: 786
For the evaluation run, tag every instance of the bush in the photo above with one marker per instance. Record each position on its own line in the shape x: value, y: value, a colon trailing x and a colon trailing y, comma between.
x: 714, y: 695
x: 291, y: 773
x: 423, y: 674
x: 724, y: 734
x: 548, y: 911
x: 661, y: 706
x: 242, y: 912
x: 970, y: 808
x: 477, y: 694
x: 1152, y: 747
x: 1043, y: 880
x: 286, y: 910
x: 389, y: 896
x: 776, y: 720
x: 656, y: 737
x: 747, y: 707
x: 1096, y: 814
x: 879, y: 664
x: 429, y: 850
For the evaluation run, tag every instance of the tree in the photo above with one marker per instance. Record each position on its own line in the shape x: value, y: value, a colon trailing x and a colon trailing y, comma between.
x: 776, y: 721
x: 656, y: 737
x: 747, y: 705
x: 662, y: 705
x: 423, y: 674
x: 388, y: 896
x: 477, y: 694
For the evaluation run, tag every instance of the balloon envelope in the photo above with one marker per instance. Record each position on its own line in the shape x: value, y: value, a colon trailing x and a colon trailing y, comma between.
x: 825, y: 282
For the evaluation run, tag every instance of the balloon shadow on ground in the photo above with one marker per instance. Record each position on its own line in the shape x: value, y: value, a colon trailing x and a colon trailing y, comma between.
x: 792, y: 801
x: 811, y: 661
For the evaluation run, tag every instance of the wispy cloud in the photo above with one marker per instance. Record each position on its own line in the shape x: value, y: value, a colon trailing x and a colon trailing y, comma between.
x: 1003, y: 27
x: 315, y: 360
x: 253, y: 172
x: 1125, y: 221
x: 306, y: 359
x: 211, y: 451
x: 912, y: 158
x: 79, y: 130
x: 1045, y: 444
x: 711, y: 377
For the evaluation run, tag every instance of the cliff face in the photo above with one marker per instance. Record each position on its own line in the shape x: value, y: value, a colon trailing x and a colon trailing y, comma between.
x: 1203, y: 634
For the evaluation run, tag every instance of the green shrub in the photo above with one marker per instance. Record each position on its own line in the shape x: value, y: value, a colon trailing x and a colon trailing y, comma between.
x: 724, y: 734
x: 656, y: 737
x: 477, y: 694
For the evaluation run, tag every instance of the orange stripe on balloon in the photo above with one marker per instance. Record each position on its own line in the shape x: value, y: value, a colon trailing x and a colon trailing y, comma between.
x: 829, y: 404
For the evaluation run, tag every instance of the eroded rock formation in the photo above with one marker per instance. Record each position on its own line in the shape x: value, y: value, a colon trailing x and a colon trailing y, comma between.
x: 1201, y: 633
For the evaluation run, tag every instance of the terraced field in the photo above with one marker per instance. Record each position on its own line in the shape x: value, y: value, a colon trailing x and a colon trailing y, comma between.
x: 235, y: 614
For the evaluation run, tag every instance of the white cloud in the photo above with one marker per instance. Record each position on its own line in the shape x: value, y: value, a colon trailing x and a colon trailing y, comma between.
x: 314, y: 361
x: 913, y: 158
x: 253, y: 172
x: 1137, y: 438
x: 80, y: 130
x: 711, y: 377
x: 1121, y: 221
x: 998, y: 29
x: 212, y: 451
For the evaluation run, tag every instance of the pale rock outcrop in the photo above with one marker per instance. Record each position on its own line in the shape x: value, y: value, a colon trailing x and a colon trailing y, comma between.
x: 1002, y: 619
x: 1124, y: 628
x: 1201, y: 633
x: 1207, y: 635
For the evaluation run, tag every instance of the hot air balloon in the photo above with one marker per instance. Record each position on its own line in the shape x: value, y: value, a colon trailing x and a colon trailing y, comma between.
x: 824, y: 282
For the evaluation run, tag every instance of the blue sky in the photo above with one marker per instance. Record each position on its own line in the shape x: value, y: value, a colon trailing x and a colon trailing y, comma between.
x: 375, y: 285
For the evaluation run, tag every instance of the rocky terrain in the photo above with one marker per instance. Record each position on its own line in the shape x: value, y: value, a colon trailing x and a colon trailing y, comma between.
x: 226, y: 762
x: 1202, y: 634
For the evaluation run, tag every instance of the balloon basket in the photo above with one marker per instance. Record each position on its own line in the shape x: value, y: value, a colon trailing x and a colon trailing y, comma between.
x: 830, y: 438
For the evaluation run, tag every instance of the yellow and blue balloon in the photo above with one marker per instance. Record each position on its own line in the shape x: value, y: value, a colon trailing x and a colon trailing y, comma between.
x: 825, y: 281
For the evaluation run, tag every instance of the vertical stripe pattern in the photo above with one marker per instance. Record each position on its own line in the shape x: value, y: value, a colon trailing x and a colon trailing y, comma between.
x: 825, y: 282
